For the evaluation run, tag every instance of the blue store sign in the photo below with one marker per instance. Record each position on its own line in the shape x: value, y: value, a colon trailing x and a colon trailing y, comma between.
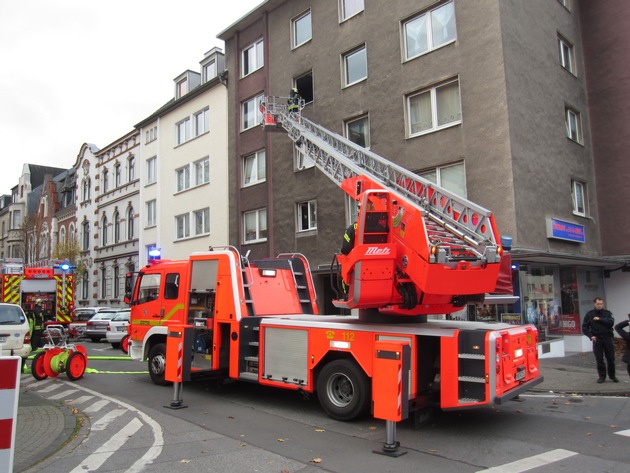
x: 565, y: 230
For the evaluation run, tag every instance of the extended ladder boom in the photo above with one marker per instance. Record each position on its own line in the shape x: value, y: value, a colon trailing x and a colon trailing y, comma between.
x: 449, y: 219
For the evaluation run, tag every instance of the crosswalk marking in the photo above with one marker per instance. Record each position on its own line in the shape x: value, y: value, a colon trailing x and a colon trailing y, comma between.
x: 82, y: 399
x: 49, y: 388
x: 95, y: 460
x: 530, y: 463
x: 97, y: 406
x: 625, y: 433
x: 65, y: 393
x: 104, y: 421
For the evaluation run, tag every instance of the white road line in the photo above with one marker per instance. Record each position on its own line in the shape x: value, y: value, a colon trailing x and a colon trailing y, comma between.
x: 625, y: 433
x: 104, y: 421
x: 65, y: 393
x: 97, y: 406
x: 48, y: 389
x: 530, y: 463
x: 81, y: 400
x: 96, y: 459
x: 158, y: 438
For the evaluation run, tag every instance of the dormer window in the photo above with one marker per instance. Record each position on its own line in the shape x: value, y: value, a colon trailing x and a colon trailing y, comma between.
x: 182, y: 88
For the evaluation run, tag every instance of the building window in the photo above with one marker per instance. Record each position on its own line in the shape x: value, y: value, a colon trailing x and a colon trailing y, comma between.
x: 252, y: 59
x: 254, y: 168
x: 150, y: 135
x: 209, y: 71
x: 103, y: 283
x: 151, y: 170
x: 116, y: 281
x: 358, y: 131
x: 116, y: 227
x: 104, y: 231
x: 202, y: 171
x: 130, y: 224
x: 85, y: 284
x: 151, y: 213
x: 182, y: 226
x: 566, y: 54
x: 578, y: 196
x: 200, y: 120
x: 16, y: 219
x: 302, y: 31
x: 304, y: 85
x: 433, y: 109
x: 131, y: 166
x: 301, y: 160
x: 182, y: 88
x: 355, y: 66
x: 574, y: 125
x: 250, y: 112
x: 62, y: 234
x: 182, y: 178
x: 307, y: 216
x: 350, y: 8
x: 255, y: 226
x: 105, y: 180
x: 182, y: 130
x: 202, y: 221
x: 429, y: 31
x: 451, y: 177
x: 85, y: 190
x: 86, y: 236
x: 117, y: 175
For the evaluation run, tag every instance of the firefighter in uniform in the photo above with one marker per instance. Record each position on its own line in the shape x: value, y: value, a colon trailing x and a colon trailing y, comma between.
x: 294, y: 100
x: 36, y: 323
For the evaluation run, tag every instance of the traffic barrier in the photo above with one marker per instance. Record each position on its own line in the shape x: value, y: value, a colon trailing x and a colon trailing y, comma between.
x: 178, y: 361
x: 9, y: 396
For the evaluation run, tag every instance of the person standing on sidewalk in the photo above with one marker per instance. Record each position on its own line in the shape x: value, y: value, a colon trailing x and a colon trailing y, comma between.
x: 37, y: 325
x: 597, y: 326
x: 626, y: 336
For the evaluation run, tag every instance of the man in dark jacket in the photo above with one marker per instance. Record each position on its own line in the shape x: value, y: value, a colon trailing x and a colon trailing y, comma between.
x: 626, y: 336
x: 597, y: 326
x: 37, y: 325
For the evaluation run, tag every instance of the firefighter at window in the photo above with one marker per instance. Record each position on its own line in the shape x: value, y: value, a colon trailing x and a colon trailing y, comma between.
x: 294, y: 101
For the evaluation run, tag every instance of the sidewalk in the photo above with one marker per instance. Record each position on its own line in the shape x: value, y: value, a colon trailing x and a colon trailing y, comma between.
x: 45, y: 426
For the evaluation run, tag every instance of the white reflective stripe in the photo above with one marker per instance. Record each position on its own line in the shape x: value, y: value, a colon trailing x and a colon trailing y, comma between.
x: 530, y: 463
x: 100, y: 456
x: 97, y: 406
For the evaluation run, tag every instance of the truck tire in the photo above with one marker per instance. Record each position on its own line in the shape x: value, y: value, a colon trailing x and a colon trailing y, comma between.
x: 157, y: 364
x: 343, y: 390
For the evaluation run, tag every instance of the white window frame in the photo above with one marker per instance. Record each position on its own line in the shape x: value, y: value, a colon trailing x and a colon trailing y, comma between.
x: 260, y: 216
x: 255, y: 57
x: 310, y: 206
x: 204, y: 215
x: 182, y: 131
x: 258, y: 159
x: 117, y: 175
x: 255, y: 114
x: 437, y: 177
x: 433, y: 91
x: 301, y: 161
x: 152, y: 170
x: 182, y: 226
x: 105, y: 180
x: 210, y: 70
x: 131, y: 168
x: 578, y: 197
x: 351, y: 121
x: 116, y: 231
x: 573, y: 122
x: 201, y: 124
x: 151, y: 135
x: 85, y: 229
x: 201, y: 171
x: 151, y: 213
x: 297, y: 24
x: 346, y: 58
x: 427, y: 16
x: 182, y: 178
x: 344, y: 6
x: 567, y: 56
x: 182, y: 87
x: 130, y: 224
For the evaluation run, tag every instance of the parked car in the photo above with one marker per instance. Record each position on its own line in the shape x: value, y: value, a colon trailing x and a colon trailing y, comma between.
x: 15, y: 335
x: 96, y: 327
x: 80, y: 316
x: 117, y: 327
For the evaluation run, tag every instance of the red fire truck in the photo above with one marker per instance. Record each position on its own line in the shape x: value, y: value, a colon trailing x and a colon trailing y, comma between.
x: 45, y: 280
x: 418, y: 250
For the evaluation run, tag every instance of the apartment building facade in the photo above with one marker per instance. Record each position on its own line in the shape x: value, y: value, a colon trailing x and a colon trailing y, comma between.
x: 492, y: 100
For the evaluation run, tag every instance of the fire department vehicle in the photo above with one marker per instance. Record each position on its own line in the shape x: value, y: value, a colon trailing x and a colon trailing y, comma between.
x: 46, y: 280
x: 419, y: 250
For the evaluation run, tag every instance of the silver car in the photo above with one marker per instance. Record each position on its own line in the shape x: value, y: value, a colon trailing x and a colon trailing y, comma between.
x: 96, y: 327
x: 14, y: 331
x: 117, y: 327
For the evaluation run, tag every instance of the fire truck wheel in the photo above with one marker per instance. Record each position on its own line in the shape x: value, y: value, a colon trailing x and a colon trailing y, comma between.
x: 157, y: 363
x: 37, y: 367
x: 75, y: 366
x: 343, y: 390
x: 124, y: 344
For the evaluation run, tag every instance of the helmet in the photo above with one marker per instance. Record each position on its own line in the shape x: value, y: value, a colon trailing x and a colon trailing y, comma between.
x: 294, y: 89
x: 38, y: 301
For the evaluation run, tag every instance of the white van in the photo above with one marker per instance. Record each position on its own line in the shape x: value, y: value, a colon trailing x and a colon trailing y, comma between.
x: 15, y: 333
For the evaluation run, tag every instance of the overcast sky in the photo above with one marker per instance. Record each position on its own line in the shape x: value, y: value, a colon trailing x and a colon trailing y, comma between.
x: 86, y: 71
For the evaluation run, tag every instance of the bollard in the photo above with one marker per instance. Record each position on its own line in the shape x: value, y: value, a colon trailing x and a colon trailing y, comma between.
x: 390, y: 390
x: 178, y: 360
x: 10, y: 367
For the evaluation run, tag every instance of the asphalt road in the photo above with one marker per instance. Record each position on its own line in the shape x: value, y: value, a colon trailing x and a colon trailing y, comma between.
x: 245, y: 427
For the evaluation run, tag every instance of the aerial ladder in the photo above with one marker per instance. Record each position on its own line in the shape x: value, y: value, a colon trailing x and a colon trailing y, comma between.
x: 419, y: 248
